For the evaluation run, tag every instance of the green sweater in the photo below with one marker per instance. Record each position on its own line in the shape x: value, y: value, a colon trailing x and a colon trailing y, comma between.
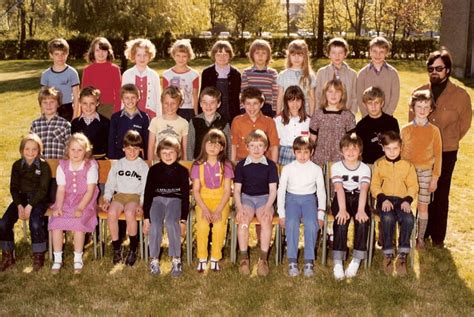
x: 30, y: 179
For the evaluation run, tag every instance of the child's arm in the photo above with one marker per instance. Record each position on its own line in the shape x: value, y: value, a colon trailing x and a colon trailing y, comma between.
x: 281, y: 93
x: 233, y: 155
x: 361, y: 216
x: 190, y: 144
x: 268, y: 209
x: 111, y: 140
x: 184, y: 144
x: 241, y: 213
x: 342, y: 215
x: 438, y: 152
x: 206, y: 214
x: 76, y: 107
x: 151, y: 147
x: 110, y: 186
x: 312, y: 101
x: 283, y: 183
x: 85, y: 200
x: 217, y: 215
x: 274, y: 153
x: 394, y: 95
x: 411, y: 183
x: 59, y: 202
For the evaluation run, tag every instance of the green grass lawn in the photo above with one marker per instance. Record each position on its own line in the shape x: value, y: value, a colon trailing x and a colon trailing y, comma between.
x: 441, y: 282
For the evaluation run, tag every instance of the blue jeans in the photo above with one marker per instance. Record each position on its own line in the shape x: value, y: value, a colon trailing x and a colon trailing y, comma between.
x: 301, y: 208
x: 361, y: 229
x: 38, y: 228
x: 389, y: 220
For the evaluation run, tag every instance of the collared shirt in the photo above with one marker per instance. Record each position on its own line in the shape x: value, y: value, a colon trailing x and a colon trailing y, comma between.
x: 261, y: 160
x: 54, y: 134
x: 243, y: 125
x: 377, y: 71
x: 88, y: 121
x: 29, y: 183
x: 222, y: 71
x: 131, y: 115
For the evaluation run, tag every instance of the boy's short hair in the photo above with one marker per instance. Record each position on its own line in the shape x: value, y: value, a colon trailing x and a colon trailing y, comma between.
x: 351, y: 139
x: 83, y: 141
x: 221, y: 46
x: 104, y: 45
x: 132, y: 138
x: 169, y: 143
x: 129, y: 89
x: 256, y: 135
x: 304, y: 143
x: 251, y: 93
x: 174, y: 92
x: 58, y: 44
x: 50, y: 92
x: 31, y: 137
x: 445, y: 56
x: 133, y: 45
x: 380, y: 41
x: 88, y: 92
x: 212, y: 92
x: 422, y: 95
x: 390, y: 137
x: 263, y: 45
x: 372, y: 93
x: 337, y: 42
x: 182, y: 46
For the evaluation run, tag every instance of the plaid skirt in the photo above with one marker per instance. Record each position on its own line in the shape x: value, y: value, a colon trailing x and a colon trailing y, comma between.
x: 286, y: 155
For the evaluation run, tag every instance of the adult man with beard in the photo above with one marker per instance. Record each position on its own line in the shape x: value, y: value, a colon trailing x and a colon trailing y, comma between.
x: 452, y: 115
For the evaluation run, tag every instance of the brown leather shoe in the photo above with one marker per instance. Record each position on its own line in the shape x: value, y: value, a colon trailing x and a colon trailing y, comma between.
x: 401, y: 265
x: 244, y: 267
x: 262, y: 268
x: 38, y: 261
x: 8, y: 259
x: 387, y: 264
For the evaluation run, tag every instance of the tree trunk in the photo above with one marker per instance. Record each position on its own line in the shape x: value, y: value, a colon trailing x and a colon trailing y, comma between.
x: 123, y: 58
x: 288, y: 18
x: 320, y: 39
x: 21, y: 42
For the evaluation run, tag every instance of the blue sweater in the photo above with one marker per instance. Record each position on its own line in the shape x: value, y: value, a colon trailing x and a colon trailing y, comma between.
x: 120, y: 123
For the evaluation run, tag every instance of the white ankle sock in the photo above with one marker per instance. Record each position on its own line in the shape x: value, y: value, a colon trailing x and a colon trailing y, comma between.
x: 58, y: 257
x: 78, y: 256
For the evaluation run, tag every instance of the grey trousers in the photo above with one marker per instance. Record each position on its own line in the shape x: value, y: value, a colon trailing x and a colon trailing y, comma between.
x: 168, y: 211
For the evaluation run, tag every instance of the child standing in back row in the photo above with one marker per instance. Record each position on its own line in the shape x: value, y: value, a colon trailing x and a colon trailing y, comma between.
x: 141, y: 52
x: 64, y: 78
x: 422, y: 147
x: 298, y: 72
x: 260, y: 76
x: 212, y: 174
x: 183, y: 77
x: 330, y: 123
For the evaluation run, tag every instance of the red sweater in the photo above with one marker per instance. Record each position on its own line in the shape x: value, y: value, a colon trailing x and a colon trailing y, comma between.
x: 105, y: 77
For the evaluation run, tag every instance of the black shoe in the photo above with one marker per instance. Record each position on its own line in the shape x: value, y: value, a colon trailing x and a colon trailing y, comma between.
x: 131, y: 258
x: 117, y: 256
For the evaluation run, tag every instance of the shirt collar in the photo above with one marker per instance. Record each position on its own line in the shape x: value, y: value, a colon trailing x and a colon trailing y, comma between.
x: 384, y: 65
x: 43, y: 116
x: 424, y: 125
x: 96, y: 116
x: 131, y: 116
x: 36, y: 162
x: 343, y: 65
x: 255, y: 69
x: 398, y: 158
x: 262, y: 160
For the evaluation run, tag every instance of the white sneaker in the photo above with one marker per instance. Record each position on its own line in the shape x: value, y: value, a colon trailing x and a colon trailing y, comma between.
x: 338, y: 272
x: 351, y: 270
x: 202, y: 266
x: 155, y: 267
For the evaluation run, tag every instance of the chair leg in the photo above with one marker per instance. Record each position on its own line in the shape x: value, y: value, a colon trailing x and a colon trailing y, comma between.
x: 94, y: 239
x: 233, y: 242
x: 277, y: 244
x: 145, y: 247
x: 370, y: 246
x: 324, y: 237
x: 50, y: 245
x: 189, y: 239
x: 140, y: 237
x: 101, y: 238
x: 413, y: 243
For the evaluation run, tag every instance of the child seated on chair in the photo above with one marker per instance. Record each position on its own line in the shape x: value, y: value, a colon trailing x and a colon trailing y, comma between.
x: 299, y: 182
x: 255, y: 190
x: 212, y: 175
x: 166, y: 204
x: 29, y: 189
x: 351, y: 180
x: 394, y: 184
x: 124, y: 192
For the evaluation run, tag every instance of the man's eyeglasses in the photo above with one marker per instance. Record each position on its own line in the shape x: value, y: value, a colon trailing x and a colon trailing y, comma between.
x: 438, y: 69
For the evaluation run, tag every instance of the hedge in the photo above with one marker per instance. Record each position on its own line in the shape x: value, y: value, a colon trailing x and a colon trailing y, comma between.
x: 37, y: 49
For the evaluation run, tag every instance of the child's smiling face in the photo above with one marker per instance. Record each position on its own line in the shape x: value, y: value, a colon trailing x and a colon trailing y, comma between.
x: 337, y: 54
x: 88, y: 105
x: 168, y: 156
x: 256, y: 149
x: 252, y: 106
x: 49, y: 106
x: 392, y: 150
x: 181, y: 58
x: 422, y: 109
x: 209, y: 105
x: 170, y: 105
x: 142, y: 57
x: 76, y: 152
x: 303, y: 155
x: 130, y: 101
x: 351, y: 153
x: 100, y: 55
x: 30, y: 151
x: 59, y: 57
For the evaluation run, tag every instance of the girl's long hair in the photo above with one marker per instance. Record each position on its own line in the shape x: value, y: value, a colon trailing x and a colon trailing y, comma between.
x: 300, y: 47
x: 338, y: 85
x: 292, y: 93
x: 213, y: 136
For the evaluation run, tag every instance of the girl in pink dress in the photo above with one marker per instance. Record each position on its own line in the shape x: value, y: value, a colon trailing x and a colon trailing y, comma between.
x: 75, y: 206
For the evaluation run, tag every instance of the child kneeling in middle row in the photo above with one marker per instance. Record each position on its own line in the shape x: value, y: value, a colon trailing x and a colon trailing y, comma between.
x: 351, y: 179
x: 299, y: 182
x: 211, y: 174
x: 166, y: 203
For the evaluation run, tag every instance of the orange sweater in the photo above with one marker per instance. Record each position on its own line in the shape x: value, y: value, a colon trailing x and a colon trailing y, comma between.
x: 422, y: 146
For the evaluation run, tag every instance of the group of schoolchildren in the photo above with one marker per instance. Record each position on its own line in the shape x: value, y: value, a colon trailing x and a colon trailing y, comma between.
x: 257, y: 119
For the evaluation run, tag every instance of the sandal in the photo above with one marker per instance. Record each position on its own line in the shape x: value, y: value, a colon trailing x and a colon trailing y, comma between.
x: 56, y: 267
x: 78, y: 267
x: 215, y: 266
